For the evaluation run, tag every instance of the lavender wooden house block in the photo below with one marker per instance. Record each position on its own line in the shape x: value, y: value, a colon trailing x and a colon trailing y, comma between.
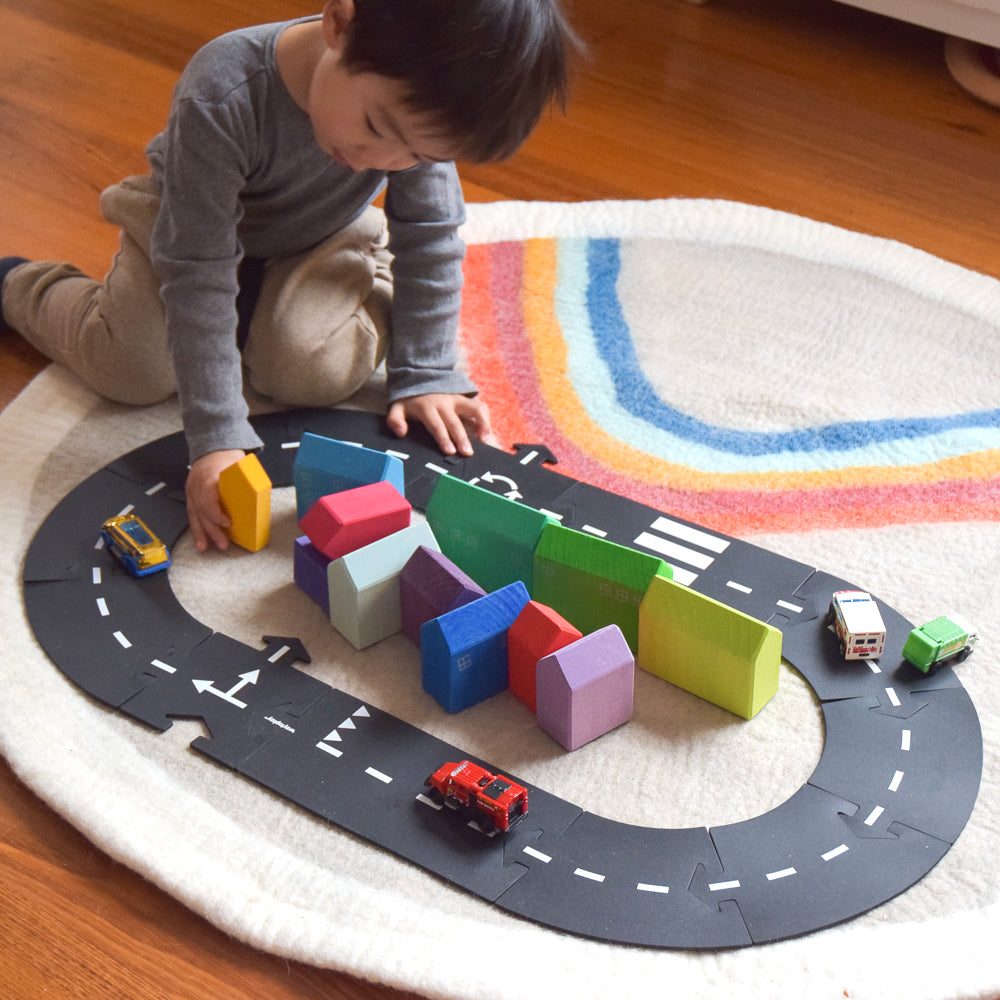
x: 585, y: 689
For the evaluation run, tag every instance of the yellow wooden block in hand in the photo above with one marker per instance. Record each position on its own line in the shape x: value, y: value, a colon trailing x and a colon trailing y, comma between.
x: 245, y: 494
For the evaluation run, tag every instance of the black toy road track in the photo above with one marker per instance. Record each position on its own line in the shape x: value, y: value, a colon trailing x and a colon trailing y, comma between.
x: 895, y: 785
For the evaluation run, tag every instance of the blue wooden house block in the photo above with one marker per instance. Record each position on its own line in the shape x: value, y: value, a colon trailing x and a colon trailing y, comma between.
x: 463, y: 654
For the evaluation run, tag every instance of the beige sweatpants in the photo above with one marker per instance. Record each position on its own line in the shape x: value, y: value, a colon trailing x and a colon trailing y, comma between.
x: 319, y: 330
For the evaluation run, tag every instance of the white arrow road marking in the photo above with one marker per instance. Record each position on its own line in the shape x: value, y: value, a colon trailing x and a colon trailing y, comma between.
x: 250, y: 677
x: 513, y: 493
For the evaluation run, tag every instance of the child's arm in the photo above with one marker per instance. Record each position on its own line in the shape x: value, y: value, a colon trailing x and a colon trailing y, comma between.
x: 449, y: 417
x: 425, y: 209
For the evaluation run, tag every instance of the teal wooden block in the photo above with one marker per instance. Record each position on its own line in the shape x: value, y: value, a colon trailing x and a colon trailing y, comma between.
x: 463, y: 654
x: 324, y: 465
x: 364, y: 585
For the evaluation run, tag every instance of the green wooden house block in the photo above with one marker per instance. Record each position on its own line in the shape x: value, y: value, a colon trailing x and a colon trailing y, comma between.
x: 592, y: 582
x: 486, y: 535
x: 699, y: 644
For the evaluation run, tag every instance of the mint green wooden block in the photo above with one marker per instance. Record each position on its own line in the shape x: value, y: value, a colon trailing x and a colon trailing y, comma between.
x: 364, y: 585
x: 592, y: 582
x: 486, y: 535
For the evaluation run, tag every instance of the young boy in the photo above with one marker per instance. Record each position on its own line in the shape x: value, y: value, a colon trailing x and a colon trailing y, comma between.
x: 253, y: 243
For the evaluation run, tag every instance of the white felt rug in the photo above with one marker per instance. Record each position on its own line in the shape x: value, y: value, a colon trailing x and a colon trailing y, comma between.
x: 740, y: 320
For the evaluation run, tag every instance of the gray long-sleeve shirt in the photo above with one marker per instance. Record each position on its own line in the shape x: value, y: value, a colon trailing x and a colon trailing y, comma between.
x: 241, y: 175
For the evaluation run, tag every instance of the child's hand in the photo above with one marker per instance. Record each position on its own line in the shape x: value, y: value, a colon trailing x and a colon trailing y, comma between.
x: 205, y: 515
x: 450, y: 417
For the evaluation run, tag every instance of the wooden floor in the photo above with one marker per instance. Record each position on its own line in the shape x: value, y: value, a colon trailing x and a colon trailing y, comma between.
x: 802, y: 105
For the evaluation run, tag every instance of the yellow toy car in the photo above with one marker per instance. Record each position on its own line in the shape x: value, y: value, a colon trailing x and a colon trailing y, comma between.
x: 135, y: 545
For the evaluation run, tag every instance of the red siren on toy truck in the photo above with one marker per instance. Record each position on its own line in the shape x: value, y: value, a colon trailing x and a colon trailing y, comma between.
x: 493, y: 801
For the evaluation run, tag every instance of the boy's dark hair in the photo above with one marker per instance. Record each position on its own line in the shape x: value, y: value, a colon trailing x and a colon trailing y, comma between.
x: 484, y: 69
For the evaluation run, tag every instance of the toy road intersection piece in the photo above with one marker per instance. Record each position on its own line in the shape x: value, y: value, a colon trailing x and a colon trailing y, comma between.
x: 837, y: 848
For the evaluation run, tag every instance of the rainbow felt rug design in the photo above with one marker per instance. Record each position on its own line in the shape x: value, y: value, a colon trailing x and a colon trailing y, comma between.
x: 833, y: 396
x: 709, y: 374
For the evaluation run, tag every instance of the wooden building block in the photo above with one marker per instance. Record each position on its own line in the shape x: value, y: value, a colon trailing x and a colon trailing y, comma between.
x: 245, y: 495
x: 309, y: 569
x: 592, y: 582
x: 586, y: 688
x: 431, y: 585
x: 324, y: 465
x: 537, y: 631
x: 364, y: 585
x: 486, y: 535
x: 342, y: 522
x: 699, y: 644
x: 463, y: 654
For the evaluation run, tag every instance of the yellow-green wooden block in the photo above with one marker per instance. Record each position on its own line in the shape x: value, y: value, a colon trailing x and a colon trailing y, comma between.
x: 699, y: 644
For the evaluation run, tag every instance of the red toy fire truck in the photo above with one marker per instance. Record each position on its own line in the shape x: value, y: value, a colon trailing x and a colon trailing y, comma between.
x: 493, y: 801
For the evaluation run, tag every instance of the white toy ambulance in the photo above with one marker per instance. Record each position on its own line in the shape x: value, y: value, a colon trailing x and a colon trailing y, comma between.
x: 855, y: 619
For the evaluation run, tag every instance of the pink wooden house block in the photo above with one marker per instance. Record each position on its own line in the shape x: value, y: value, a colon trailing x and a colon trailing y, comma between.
x: 342, y: 522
